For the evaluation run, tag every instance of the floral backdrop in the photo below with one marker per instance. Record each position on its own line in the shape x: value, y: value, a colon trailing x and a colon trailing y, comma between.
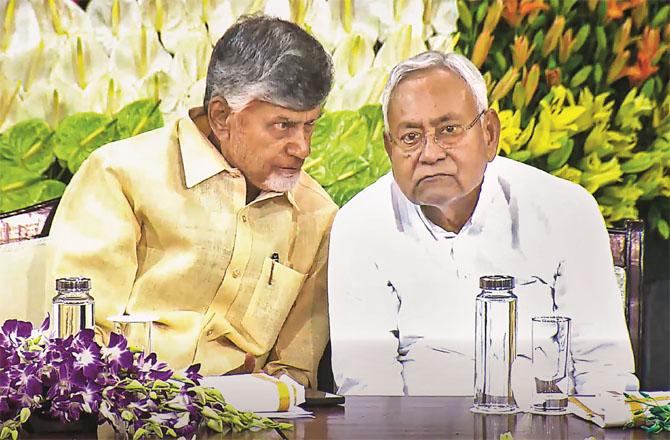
x: 581, y: 86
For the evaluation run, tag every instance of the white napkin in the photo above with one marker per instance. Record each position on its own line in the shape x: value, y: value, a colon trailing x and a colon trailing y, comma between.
x: 610, y: 409
x: 259, y: 392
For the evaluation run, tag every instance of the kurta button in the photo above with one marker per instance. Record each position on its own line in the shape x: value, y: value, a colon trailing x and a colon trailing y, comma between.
x: 244, y: 218
x: 236, y: 273
x: 209, y: 332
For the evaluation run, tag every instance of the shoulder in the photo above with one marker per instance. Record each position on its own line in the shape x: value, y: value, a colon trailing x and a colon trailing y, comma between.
x: 532, y: 185
x: 134, y: 154
x: 311, y: 197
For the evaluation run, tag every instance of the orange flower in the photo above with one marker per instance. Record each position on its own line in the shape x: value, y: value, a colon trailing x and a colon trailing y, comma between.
x: 514, y: 13
x: 520, y: 51
x: 481, y: 49
x: 553, y: 76
x: 648, y: 54
x: 616, y: 8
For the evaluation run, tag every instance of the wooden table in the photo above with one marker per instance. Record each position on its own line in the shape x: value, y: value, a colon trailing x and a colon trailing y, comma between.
x: 389, y: 418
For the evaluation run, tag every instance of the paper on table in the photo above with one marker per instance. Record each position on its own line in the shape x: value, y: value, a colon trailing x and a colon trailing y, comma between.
x: 610, y: 409
x: 258, y: 392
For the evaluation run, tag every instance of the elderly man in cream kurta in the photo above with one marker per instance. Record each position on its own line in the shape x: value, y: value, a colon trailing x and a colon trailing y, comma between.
x: 209, y: 223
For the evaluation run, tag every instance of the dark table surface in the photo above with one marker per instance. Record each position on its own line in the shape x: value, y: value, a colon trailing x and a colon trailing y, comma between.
x: 391, y: 418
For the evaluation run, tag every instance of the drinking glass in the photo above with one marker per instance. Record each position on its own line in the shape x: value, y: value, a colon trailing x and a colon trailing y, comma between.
x: 135, y: 328
x: 551, y: 345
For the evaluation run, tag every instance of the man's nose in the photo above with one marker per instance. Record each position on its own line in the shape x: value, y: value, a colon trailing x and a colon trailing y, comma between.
x: 431, y: 151
x: 299, y: 144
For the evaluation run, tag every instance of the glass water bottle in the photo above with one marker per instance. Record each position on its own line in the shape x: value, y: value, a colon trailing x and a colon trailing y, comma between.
x: 495, y: 345
x: 72, y: 306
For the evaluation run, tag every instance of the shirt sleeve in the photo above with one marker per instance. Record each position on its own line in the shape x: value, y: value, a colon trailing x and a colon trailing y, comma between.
x: 304, y: 335
x: 363, y: 314
x: 94, y: 234
x: 586, y: 291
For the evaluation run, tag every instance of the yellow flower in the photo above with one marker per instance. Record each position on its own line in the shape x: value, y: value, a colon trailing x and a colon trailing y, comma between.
x: 505, y: 84
x: 493, y: 16
x: 597, y: 173
x: 565, y: 46
x: 530, y: 81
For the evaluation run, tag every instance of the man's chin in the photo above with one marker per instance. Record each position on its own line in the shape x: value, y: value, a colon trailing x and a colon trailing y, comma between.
x: 281, y: 182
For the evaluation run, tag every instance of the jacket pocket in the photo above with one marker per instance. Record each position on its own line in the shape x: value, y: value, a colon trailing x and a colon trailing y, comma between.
x: 271, y: 302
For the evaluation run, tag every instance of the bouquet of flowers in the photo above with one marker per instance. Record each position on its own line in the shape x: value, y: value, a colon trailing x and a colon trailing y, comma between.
x: 134, y: 392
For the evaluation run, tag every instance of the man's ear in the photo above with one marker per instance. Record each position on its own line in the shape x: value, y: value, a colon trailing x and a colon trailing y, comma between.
x: 387, y: 143
x: 491, y: 133
x: 218, y: 113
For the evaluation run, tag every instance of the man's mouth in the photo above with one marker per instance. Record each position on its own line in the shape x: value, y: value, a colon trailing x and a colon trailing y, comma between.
x: 435, y: 176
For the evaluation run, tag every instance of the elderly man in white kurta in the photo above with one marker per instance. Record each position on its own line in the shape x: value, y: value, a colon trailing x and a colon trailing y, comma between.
x: 406, y: 253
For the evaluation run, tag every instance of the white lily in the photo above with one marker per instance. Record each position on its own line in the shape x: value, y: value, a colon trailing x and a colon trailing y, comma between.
x: 44, y: 101
x: 191, y: 59
x: 138, y: 56
x: 442, y: 15
x: 160, y: 85
x: 32, y: 66
x: 396, y: 13
x: 105, y: 94
x: 443, y: 42
x: 81, y: 62
x: 10, y: 101
x: 61, y: 18
x: 354, y: 54
x: 113, y: 20
x: 364, y: 88
x: 331, y: 21
x: 19, y: 27
x: 401, y: 44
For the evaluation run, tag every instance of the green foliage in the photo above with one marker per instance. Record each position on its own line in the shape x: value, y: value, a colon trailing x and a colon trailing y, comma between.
x: 37, y: 162
x: 348, y: 152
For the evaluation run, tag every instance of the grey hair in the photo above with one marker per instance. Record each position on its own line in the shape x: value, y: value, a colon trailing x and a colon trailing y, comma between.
x: 269, y: 59
x: 454, y: 62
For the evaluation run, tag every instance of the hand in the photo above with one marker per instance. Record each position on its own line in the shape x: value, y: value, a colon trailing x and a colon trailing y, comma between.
x: 247, y: 368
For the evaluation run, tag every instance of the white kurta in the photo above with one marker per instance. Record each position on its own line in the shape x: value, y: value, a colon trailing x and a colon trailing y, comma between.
x: 402, y: 290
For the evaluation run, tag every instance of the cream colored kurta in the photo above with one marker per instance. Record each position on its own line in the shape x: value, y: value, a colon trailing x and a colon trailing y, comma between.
x: 160, y: 224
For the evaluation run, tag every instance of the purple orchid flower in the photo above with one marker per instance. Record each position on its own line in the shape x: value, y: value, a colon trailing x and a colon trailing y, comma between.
x: 116, y: 354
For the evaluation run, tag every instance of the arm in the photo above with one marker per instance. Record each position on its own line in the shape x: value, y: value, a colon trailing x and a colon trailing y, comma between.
x: 587, y: 292
x: 94, y: 234
x: 363, y: 315
x: 304, y: 335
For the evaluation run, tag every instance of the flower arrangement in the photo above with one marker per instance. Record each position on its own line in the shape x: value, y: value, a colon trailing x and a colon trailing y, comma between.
x: 120, y: 385
x: 582, y: 91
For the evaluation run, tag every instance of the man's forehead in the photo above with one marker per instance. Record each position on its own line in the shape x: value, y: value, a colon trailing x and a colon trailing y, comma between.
x: 269, y: 109
x: 434, y: 94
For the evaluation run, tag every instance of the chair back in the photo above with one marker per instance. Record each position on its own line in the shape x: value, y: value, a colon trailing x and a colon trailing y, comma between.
x: 627, y: 244
x: 26, y: 223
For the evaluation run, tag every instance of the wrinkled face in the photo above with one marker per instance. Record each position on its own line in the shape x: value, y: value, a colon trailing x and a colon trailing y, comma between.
x: 427, y: 104
x: 266, y: 142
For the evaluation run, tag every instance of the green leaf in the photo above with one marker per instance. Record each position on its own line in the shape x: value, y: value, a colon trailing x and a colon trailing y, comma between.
x: 14, y: 434
x: 639, y: 162
x: 80, y: 134
x: 6, y: 432
x: 138, y: 117
x: 480, y: 14
x: 127, y: 415
x: 20, y: 188
x: 558, y: 158
x: 501, y: 61
x: 464, y: 14
x: 645, y: 395
x: 520, y: 156
x: 597, y: 73
x: 538, y: 39
x: 24, y: 415
x: 28, y: 144
x: 661, y: 17
x: 601, y: 39
x: 581, y: 76
x: 581, y: 37
x: 139, y: 433
x: 538, y: 21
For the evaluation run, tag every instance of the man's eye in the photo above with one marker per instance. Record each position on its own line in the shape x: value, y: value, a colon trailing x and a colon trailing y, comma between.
x: 410, y: 138
x: 450, y: 129
x: 283, y: 125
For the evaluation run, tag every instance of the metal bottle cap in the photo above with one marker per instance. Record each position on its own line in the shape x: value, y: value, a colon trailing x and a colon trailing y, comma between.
x: 73, y: 284
x: 496, y: 282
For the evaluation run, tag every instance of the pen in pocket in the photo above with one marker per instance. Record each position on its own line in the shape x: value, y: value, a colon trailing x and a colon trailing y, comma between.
x: 275, y: 259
